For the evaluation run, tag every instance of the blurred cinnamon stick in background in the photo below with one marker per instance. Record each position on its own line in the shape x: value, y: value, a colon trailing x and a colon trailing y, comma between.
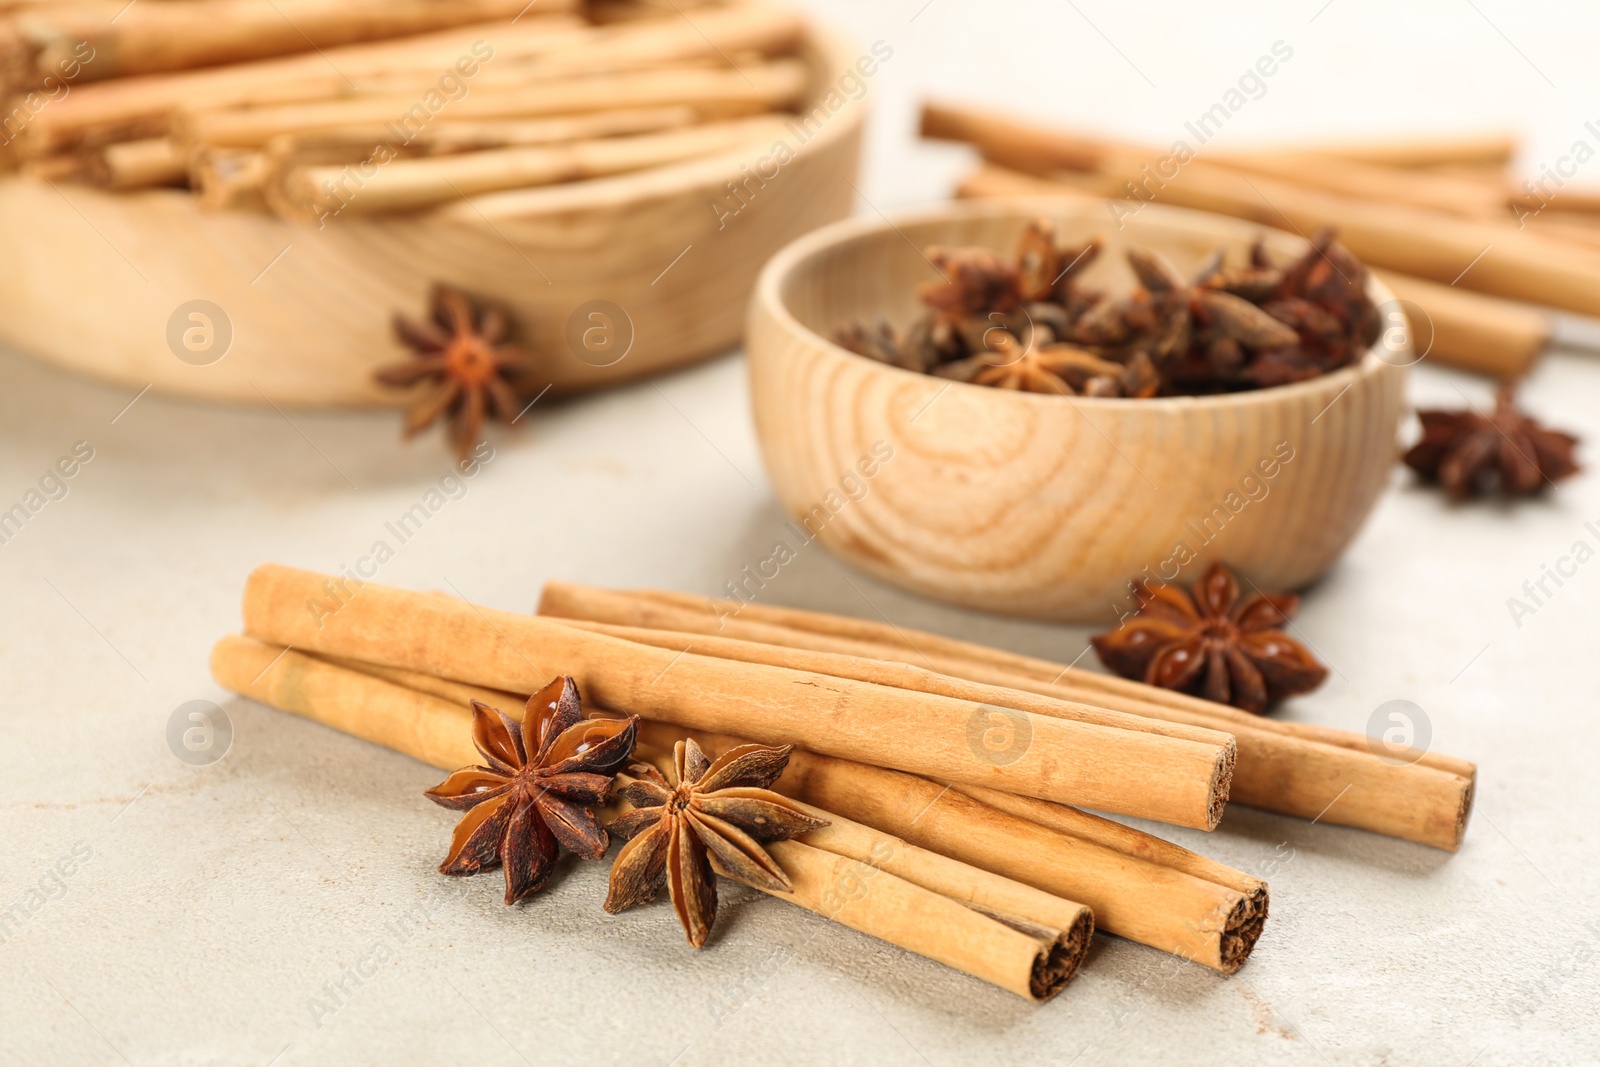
x: 146, y: 38
x: 1428, y: 224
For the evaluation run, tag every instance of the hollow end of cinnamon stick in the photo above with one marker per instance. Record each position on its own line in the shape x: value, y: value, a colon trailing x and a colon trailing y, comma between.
x: 1059, y: 962
x: 1242, y: 930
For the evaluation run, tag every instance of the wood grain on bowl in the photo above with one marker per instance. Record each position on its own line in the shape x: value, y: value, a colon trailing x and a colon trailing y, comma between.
x: 91, y: 280
x: 1043, y: 505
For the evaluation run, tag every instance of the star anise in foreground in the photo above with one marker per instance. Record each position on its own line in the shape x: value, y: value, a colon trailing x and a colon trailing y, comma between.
x: 460, y: 351
x: 1212, y: 643
x: 1467, y: 452
x: 543, y: 778
x: 716, y: 810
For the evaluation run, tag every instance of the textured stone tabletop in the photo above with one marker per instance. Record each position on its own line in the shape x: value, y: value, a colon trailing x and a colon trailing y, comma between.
x: 281, y: 905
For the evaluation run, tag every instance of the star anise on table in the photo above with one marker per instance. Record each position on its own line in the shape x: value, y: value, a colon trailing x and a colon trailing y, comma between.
x: 718, y: 811
x: 460, y: 350
x: 1468, y: 452
x: 536, y: 793
x: 1213, y: 643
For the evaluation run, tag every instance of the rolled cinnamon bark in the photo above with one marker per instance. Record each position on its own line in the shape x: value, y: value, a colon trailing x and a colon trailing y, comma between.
x: 1062, y: 929
x: 1296, y: 769
x: 449, y: 67
x: 140, y: 106
x: 422, y: 726
x: 1171, y: 779
x: 1065, y: 925
x: 457, y: 693
x: 147, y: 38
x: 1049, y: 148
x: 311, y: 192
x: 1131, y: 896
x: 1413, y: 240
x: 1033, y: 963
x: 446, y: 136
x: 138, y: 165
x: 1023, y: 956
x: 560, y: 598
x: 712, y: 93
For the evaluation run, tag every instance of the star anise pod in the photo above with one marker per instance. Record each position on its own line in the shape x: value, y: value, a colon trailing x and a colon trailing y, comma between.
x: 461, y: 351
x: 1212, y: 643
x: 711, y: 810
x: 542, y: 779
x: 1038, y: 365
x: 1468, y: 452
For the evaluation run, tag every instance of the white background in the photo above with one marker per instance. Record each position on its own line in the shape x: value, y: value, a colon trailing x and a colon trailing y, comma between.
x: 219, y: 901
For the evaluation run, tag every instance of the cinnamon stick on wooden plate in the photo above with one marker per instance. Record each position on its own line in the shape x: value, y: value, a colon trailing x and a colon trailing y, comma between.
x: 452, y: 66
x: 1182, y: 780
x: 1018, y: 938
x: 1296, y: 769
x: 311, y: 191
x: 712, y: 93
x: 146, y: 38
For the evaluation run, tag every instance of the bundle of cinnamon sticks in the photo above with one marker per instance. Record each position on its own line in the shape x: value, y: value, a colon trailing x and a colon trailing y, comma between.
x: 1450, y: 230
x: 310, y: 108
x: 954, y: 776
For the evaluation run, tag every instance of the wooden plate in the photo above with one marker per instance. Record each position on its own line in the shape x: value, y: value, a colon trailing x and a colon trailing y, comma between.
x: 1042, y: 505
x: 105, y: 284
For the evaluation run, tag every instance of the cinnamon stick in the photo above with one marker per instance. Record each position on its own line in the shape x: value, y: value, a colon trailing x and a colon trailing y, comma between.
x: 1173, y: 779
x: 1032, y: 963
x: 1296, y: 769
x: 138, y: 165
x: 561, y: 602
x: 1413, y: 240
x: 128, y: 107
x: 1017, y: 953
x: 146, y: 38
x: 712, y: 93
x: 422, y: 726
x: 312, y: 192
x: 1061, y: 929
x: 1131, y: 896
x: 450, y: 67
x: 446, y: 136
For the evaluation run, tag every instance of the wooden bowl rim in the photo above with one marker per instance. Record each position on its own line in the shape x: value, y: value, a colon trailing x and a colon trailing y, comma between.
x: 795, y: 255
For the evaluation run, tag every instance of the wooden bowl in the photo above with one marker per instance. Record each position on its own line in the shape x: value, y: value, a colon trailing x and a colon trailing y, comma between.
x: 1037, y: 505
x: 94, y: 281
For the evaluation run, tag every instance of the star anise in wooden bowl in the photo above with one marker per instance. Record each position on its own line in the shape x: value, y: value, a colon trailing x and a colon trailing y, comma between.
x: 536, y: 793
x: 1015, y: 324
x: 1468, y: 452
x: 461, y: 352
x: 1213, y: 643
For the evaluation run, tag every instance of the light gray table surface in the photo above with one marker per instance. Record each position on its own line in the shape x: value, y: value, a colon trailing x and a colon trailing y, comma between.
x: 281, y: 905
